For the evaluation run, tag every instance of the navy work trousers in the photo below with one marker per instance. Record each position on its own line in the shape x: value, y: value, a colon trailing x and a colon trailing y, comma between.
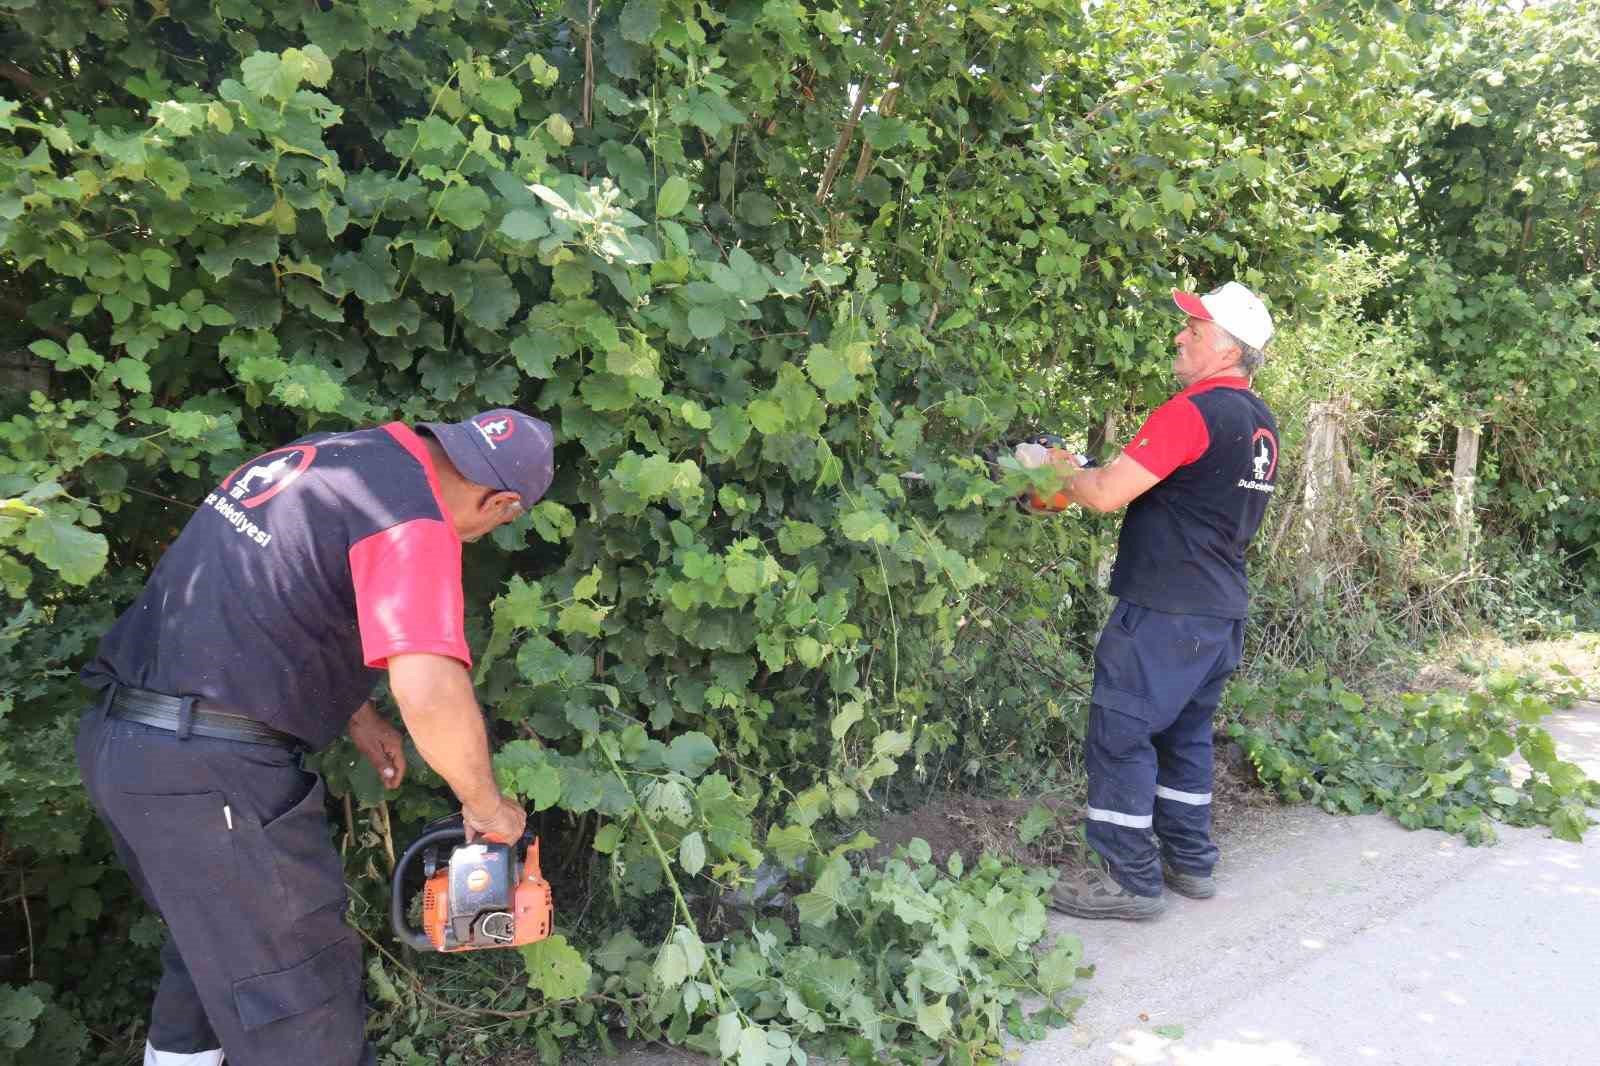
x: 228, y: 842
x: 1158, y: 678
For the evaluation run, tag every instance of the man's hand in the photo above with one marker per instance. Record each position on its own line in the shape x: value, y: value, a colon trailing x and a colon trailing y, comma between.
x: 502, y: 823
x: 380, y: 744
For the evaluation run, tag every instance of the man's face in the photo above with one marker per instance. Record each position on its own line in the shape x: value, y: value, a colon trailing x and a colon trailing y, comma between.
x: 1203, y: 349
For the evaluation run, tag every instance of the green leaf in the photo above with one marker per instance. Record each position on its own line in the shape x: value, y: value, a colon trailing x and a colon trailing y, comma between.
x: 706, y: 322
x: 691, y: 754
x: 848, y: 715
x: 70, y: 550
x: 692, y: 854
x: 767, y: 416
x: 729, y: 1031
x: 938, y: 970
x: 524, y: 225
x: 790, y: 843
x: 559, y: 128
x: 673, y: 197
x: 681, y: 957
x: 621, y: 949
x: 1038, y: 819
x: 540, y: 785
x: 869, y: 525
x: 1058, y: 969
x: 826, y: 368
x: 492, y: 300
x: 667, y: 800
x: 501, y: 94
x: 19, y: 1009
x: 934, y: 1019
x: 463, y: 206
x: 555, y: 969
x: 639, y: 21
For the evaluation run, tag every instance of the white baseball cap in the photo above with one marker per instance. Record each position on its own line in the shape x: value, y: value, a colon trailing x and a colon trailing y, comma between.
x: 1234, y: 308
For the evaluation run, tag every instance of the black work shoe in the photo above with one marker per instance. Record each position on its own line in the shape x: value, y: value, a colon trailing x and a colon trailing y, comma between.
x: 1195, y: 886
x: 1094, y: 894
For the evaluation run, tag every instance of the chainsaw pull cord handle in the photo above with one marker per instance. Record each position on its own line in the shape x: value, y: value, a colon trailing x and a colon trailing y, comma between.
x: 397, y: 905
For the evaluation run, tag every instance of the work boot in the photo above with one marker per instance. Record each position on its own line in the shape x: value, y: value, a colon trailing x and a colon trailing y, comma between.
x: 1195, y: 886
x: 1095, y: 894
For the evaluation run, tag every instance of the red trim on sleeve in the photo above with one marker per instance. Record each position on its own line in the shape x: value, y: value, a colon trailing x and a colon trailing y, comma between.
x: 1174, y: 435
x: 408, y: 592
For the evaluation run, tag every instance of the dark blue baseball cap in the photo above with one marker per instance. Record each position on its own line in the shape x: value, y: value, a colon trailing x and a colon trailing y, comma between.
x: 501, y: 449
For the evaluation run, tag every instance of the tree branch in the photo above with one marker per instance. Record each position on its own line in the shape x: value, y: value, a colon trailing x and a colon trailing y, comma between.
x: 842, y: 145
x: 20, y: 78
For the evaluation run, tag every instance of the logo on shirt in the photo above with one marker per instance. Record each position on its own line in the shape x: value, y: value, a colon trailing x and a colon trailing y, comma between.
x: 1263, y: 462
x: 496, y: 429
x: 257, y: 482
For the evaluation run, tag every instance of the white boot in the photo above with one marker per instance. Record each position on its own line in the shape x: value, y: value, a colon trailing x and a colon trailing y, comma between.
x: 152, y: 1057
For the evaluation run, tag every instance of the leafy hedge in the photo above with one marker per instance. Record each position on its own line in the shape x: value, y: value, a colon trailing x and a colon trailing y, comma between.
x: 756, y: 263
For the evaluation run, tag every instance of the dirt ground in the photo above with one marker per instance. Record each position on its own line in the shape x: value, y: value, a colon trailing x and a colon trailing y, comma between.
x: 973, y: 825
x: 1456, y: 664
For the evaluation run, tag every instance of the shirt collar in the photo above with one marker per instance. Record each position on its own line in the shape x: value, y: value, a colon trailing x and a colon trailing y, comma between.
x: 1231, y: 382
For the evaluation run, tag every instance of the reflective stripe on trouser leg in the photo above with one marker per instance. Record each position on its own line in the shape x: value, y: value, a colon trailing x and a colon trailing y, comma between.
x: 1183, y: 791
x: 152, y: 1057
x: 1121, y: 765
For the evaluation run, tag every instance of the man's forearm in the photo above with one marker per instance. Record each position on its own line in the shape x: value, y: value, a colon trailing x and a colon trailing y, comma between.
x: 442, y: 715
x: 1105, y: 488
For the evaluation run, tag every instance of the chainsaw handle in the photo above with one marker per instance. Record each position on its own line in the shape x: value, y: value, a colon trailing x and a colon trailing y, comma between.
x: 397, y: 906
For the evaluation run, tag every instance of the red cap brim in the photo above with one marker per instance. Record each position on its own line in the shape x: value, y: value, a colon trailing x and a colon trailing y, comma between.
x: 1190, y: 304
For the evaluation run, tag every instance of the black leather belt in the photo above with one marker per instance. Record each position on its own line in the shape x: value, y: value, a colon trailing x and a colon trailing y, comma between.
x: 207, y: 719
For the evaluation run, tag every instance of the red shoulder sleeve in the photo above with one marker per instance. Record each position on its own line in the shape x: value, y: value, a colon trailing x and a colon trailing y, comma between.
x: 1174, y: 435
x: 408, y: 592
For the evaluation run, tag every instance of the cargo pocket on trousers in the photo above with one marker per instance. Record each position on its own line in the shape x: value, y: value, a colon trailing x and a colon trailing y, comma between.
x: 306, y: 865
x: 183, y: 841
x: 272, y: 997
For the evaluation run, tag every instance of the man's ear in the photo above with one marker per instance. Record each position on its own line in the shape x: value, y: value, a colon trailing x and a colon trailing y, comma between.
x: 502, y: 503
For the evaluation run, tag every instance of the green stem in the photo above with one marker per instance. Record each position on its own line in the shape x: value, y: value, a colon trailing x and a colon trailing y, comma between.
x: 672, y: 881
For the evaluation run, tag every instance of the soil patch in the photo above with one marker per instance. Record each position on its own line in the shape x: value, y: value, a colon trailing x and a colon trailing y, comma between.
x: 973, y: 825
x: 1459, y: 662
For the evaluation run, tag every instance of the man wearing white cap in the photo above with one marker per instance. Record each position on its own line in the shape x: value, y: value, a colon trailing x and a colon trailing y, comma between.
x: 1195, y: 479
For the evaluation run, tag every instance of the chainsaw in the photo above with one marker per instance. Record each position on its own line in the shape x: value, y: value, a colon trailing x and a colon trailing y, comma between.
x: 474, y: 896
x: 1036, y: 502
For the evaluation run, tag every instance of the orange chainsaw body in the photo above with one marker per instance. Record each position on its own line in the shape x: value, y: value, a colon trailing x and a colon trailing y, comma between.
x: 465, y: 904
x: 481, y: 895
x: 1056, y: 501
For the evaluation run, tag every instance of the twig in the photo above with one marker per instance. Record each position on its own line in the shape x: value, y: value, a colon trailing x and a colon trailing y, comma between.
x: 27, y: 916
x: 420, y: 989
x: 165, y: 499
x: 842, y: 145
x: 349, y: 824
x: 388, y: 835
x: 588, y: 67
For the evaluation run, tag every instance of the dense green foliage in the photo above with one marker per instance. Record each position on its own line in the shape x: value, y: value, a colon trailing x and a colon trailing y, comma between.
x: 1435, y: 761
x: 756, y: 262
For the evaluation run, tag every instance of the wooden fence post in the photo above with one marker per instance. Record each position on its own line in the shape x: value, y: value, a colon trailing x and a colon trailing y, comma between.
x: 1324, y: 479
x: 1464, y: 482
x: 1102, y: 444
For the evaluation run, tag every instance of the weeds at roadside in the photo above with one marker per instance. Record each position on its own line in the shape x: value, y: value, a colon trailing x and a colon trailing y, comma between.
x: 1439, y: 761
